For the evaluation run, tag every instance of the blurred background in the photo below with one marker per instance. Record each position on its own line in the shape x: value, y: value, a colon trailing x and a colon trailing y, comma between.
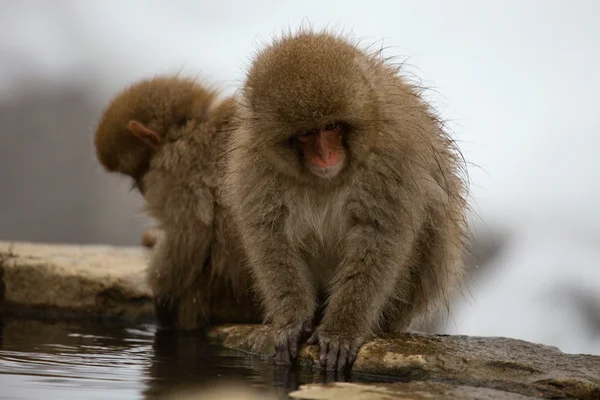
x: 518, y: 82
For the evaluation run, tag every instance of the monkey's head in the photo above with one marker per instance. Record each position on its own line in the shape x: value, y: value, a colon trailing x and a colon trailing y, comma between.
x: 309, y: 105
x: 144, y: 117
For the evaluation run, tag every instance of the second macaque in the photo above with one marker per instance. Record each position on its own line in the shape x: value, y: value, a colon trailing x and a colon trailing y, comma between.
x: 168, y: 135
x: 344, y: 186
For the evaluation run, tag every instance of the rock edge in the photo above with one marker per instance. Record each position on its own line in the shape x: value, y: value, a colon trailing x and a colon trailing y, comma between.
x: 108, y: 282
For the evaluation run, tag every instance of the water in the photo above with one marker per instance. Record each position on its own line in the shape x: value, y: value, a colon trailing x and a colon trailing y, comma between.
x: 92, y: 360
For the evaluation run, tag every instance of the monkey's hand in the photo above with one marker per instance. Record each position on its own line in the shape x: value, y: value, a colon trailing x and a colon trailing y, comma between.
x: 284, y: 342
x: 284, y: 282
x: 287, y: 340
x: 338, y: 348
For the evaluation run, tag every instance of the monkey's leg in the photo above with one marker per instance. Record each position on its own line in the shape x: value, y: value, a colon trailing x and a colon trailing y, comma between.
x: 435, y: 271
x: 178, y: 275
x: 283, y: 281
x: 233, y: 301
x: 367, y: 280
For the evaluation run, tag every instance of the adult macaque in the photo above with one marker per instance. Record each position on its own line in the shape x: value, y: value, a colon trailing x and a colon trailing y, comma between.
x: 343, y: 184
x: 168, y: 134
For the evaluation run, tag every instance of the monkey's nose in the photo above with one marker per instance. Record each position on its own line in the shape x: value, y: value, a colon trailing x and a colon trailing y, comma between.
x: 325, y: 155
x: 323, y: 150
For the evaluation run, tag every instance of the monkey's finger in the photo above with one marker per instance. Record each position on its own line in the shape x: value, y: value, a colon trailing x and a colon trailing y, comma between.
x: 278, y: 356
x: 282, y: 353
x: 293, y: 347
x: 283, y: 357
x: 352, y: 354
x: 332, y: 357
x: 313, y: 339
x: 330, y: 377
x: 324, y: 351
x: 342, y: 360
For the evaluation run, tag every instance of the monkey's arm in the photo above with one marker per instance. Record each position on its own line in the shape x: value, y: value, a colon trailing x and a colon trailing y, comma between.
x: 374, y: 270
x: 179, y: 278
x: 283, y: 282
x: 178, y: 272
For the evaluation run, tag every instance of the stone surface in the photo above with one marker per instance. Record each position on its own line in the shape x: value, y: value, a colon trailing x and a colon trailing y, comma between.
x: 417, y: 390
x: 99, y: 281
x: 229, y: 391
x: 103, y: 281
x: 507, y: 366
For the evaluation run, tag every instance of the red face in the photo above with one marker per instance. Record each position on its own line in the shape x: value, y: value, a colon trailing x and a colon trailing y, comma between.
x: 323, y: 150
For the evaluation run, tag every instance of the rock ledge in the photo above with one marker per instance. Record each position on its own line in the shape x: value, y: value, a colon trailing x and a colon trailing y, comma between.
x: 104, y: 281
x: 91, y: 281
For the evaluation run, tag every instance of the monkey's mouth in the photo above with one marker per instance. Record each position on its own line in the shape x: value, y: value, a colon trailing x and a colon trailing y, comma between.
x: 328, y: 172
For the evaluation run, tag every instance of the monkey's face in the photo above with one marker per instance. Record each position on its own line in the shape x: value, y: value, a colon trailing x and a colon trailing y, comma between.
x: 308, y: 104
x: 322, y: 149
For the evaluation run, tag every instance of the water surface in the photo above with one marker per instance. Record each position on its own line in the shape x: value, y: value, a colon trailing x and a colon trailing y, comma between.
x: 93, y: 360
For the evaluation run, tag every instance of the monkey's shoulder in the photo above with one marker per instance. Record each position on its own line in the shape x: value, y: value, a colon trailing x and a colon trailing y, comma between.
x: 177, y: 202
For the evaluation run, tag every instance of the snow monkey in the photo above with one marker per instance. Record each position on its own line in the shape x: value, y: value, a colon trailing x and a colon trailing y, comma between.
x: 168, y: 134
x: 343, y: 185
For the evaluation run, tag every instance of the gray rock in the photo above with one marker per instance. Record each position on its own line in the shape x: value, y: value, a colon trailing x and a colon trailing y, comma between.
x: 417, y: 390
x: 467, y: 364
x: 98, y: 281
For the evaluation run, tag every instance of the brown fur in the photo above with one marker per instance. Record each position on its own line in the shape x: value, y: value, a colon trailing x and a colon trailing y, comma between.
x: 383, y: 239
x: 150, y: 237
x: 195, y: 280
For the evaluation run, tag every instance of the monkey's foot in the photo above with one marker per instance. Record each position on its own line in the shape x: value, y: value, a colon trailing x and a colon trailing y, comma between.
x: 338, y: 349
x: 285, y: 341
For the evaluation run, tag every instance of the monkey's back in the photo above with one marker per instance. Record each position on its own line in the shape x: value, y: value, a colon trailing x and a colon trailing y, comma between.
x: 182, y: 193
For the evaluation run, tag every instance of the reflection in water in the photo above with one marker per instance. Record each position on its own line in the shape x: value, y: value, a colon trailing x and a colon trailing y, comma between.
x: 65, y: 360
x: 92, y: 360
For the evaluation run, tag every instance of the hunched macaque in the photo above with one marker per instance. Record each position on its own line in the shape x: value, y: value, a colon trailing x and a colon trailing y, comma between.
x: 343, y: 185
x: 168, y: 134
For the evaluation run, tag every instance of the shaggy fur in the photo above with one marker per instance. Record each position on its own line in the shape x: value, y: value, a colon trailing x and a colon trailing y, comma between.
x: 196, y: 267
x: 383, y: 240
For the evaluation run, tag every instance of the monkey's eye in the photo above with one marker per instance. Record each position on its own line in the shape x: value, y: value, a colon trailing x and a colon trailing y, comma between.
x: 306, y: 135
x: 332, y: 126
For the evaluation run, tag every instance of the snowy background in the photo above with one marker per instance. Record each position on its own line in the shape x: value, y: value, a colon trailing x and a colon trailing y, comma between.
x: 518, y: 80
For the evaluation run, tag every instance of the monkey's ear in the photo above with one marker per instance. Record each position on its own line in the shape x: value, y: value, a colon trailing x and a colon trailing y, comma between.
x: 146, y: 135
